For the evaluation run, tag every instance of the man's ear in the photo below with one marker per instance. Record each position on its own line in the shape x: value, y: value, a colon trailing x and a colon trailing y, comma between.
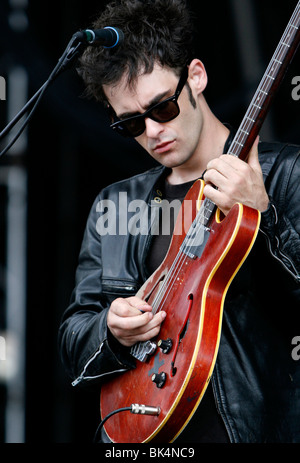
x: 197, y: 76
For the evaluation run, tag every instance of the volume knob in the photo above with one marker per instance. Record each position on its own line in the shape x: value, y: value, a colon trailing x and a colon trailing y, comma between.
x: 165, y: 345
x: 159, y: 379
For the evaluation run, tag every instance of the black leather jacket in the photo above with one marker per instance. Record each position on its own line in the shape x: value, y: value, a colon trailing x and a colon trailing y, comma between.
x: 256, y: 382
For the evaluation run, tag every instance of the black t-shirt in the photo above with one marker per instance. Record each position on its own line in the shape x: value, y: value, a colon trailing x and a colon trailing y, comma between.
x: 206, y: 426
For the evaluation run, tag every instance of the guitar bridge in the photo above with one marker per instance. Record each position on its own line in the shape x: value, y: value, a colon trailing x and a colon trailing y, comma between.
x: 143, y: 350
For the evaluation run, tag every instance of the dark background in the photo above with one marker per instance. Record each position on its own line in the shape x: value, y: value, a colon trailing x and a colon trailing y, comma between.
x: 71, y: 154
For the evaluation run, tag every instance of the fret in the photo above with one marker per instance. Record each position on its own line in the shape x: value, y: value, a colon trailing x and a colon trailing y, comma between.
x: 204, y: 214
x: 238, y: 143
x: 262, y: 91
x: 211, y: 204
x: 208, y: 203
x: 205, y: 217
x: 209, y: 210
x: 273, y: 78
x: 257, y: 106
x: 277, y: 61
x: 295, y: 27
x: 285, y: 44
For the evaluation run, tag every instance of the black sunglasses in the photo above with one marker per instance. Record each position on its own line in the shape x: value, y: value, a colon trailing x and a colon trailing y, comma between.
x: 165, y: 111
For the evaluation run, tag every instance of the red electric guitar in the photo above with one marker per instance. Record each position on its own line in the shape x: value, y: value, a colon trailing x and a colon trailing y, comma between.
x: 173, y: 371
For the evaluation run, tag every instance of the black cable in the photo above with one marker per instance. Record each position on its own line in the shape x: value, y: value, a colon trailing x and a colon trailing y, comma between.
x: 95, y: 440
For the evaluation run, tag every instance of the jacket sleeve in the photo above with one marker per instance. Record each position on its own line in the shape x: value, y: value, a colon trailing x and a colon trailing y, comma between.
x: 88, y: 350
x: 281, y: 222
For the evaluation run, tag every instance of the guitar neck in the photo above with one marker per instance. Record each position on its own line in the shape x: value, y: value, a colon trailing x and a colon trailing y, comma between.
x: 259, y: 106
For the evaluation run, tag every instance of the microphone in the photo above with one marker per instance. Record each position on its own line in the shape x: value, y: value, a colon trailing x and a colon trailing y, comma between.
x: 109, y: 37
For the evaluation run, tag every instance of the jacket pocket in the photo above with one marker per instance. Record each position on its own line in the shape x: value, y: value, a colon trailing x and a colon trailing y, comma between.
x: 119, y: 288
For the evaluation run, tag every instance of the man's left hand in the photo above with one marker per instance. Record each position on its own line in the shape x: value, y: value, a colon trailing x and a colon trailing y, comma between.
x: 236, y: 181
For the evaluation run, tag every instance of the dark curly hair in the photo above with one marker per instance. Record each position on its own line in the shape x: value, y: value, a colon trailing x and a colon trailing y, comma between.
x: 154, y: 31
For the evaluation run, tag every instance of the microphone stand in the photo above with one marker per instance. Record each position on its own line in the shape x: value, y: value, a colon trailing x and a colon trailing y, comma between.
x: 74, y: 48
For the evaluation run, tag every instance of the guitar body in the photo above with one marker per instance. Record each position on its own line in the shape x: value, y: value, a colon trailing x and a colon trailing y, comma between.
x: 194, y: 305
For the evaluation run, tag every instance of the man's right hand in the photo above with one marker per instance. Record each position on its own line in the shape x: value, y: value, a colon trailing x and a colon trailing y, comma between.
x: 131, y: 320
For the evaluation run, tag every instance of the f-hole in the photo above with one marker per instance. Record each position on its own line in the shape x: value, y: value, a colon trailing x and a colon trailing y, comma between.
x: 181, y: 333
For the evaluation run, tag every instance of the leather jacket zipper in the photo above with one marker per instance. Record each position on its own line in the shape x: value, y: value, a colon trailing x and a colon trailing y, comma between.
x: 82, y: 378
